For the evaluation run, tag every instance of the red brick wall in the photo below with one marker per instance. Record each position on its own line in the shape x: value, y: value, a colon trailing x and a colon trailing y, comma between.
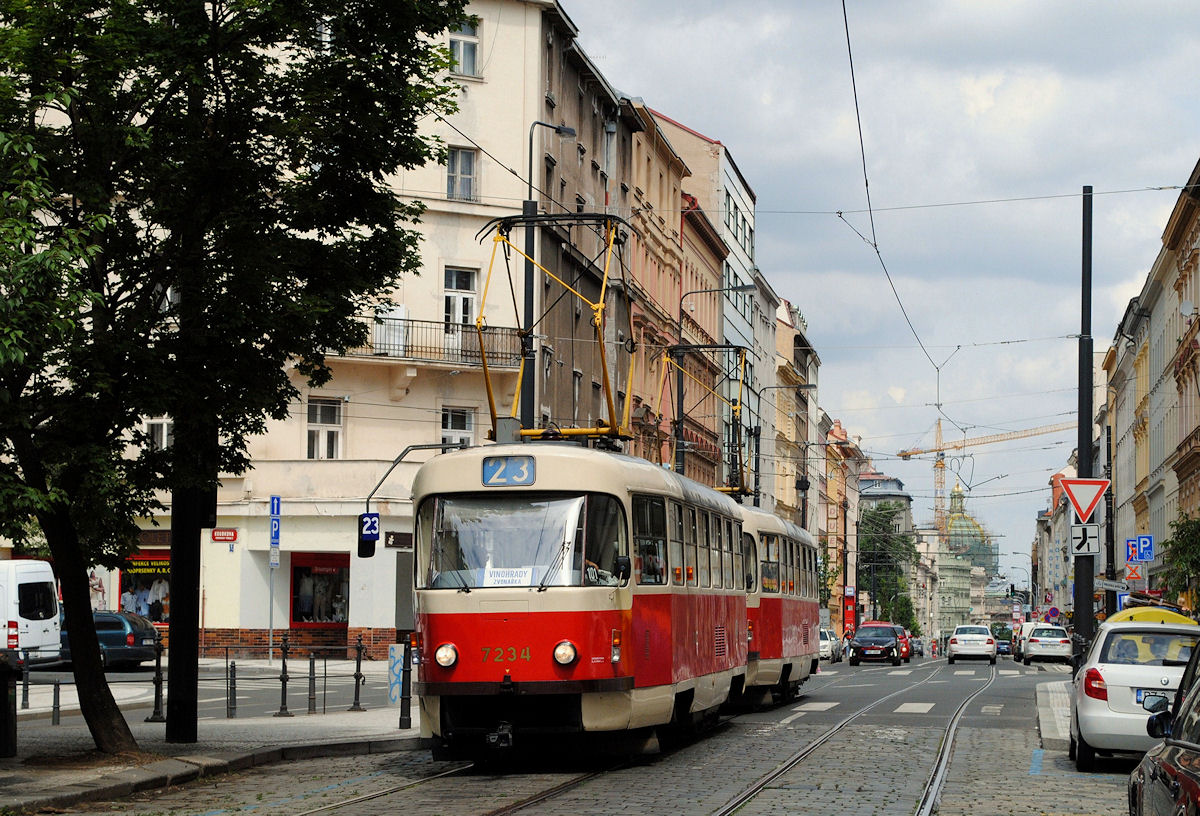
x: 336, y: 644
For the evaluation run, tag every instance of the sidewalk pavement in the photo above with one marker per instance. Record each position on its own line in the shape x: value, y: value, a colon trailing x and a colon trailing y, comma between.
x: 57, y: 765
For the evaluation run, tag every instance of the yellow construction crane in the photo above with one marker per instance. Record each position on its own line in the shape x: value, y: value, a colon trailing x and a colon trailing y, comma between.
x: 939, y: 463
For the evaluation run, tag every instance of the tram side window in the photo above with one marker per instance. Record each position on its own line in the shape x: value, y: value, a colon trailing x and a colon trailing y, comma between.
x: 812, y: 572
x: 750, y: 561
x: 789, y: 576
x: 650, y: 539
x: 689, y: 546
x: 703, y: 548
x: 735, y: 578
x: 604, y: 540
x: 770, y: 564
x: 676, y: 553
x: 719, y: 552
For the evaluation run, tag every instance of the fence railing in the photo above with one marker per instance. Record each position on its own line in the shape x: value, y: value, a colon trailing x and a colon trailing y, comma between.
x: 440, y: 342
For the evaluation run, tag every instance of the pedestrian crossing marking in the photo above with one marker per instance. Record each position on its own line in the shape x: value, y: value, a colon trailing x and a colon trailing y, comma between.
x: 795, y: 716
x: 914, y: 708
x: 991, y: 709
x: 901, y: 672
x: 968, y: 673
x: 815, y: 706
x: 1008, y: 672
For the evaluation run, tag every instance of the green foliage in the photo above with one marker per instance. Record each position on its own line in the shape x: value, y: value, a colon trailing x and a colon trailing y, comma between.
x: 884, y: 560
x: 193, y: 209
x: 1001, y: 631
x: 1181, y: 559
x: 828, y: 571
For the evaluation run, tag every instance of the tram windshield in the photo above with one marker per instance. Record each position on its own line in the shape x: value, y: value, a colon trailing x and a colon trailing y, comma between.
x: 520, y: 540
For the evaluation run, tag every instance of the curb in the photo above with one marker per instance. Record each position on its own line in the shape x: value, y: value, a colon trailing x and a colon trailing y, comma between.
x: 178, y: 770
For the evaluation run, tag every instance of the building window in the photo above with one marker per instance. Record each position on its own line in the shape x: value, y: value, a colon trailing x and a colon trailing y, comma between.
x: 320, y: 590
x: 461, y: 174
x: 464, y: 43
x: 460, y: 296
x: 324, y: 428
x: 458, y: 425
x: 161, y: 432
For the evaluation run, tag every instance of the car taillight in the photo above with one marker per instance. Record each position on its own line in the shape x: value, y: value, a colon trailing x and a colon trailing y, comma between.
x: 1064, y: 640
x: 129, y: 639
x: 990, y: 642
x: 1034, y: 640
x: 13, y: 642
x: 954, y: 640
x: 1094, y: 685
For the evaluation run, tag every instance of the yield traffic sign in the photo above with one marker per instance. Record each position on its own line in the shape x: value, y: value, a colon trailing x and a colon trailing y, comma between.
x: 1085, y: 495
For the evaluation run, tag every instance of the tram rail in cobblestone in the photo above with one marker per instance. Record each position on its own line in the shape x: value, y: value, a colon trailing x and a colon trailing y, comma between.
x: 366, y: 797
x: 932, y: 786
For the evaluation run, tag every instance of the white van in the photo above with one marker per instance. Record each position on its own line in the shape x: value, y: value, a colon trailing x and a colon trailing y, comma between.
x: 29, y: 609
x: 1021, y: 637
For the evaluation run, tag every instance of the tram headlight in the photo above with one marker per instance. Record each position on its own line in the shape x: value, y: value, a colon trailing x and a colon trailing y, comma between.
x: 565, y: 653
x: 446, y: 655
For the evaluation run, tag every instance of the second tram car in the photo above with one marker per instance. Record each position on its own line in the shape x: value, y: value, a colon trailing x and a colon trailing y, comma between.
x: 561, y: 589
x: 782, y: 605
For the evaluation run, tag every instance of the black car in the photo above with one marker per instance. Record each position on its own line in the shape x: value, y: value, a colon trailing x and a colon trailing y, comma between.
x: 875, y: 643
x: 126, y: 640
x: 1167, y: 780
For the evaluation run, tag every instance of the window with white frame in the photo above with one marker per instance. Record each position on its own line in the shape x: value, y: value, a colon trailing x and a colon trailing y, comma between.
x: 161, y: 431
x: 458, y: 425
x: 324, y: 428
x: 461, y: 174
x: 464, y: 45
x: 459, y: 296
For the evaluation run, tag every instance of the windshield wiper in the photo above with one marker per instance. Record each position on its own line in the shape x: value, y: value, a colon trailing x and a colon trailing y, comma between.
x: 462, y: 582
x: 558, y: 559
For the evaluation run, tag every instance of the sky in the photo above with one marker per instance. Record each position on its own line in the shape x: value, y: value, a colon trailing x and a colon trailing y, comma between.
x: 981, y: 123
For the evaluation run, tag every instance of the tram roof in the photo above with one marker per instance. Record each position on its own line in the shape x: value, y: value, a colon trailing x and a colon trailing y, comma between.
x: 573, y: 467
x: 771, y: 523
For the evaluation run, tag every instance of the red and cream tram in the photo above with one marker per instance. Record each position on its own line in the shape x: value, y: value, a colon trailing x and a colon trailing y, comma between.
x: 781, y: 605
x: 562, y: 589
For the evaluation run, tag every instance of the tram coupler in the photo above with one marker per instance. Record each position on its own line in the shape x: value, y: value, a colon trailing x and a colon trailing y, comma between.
x: 501, y: 738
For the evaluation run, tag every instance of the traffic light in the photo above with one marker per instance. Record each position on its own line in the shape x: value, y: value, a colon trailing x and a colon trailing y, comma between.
x: 1012, y: 589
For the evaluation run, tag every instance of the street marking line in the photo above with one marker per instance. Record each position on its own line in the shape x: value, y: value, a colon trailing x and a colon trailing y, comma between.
x: 969, y: 673
x: 795, y: 716
x: 815, y: 706
x: 901, y: 672
x: 991, y: 709
x: 913, y: 708
x: 1008, y: 672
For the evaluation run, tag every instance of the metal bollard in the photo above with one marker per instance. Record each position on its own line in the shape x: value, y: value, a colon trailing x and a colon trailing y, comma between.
x: 231, y: 699
x: 312, y: 683
x: 55, y: 708
x: 283, y: 680
x: 25, y: 680
x: 359, y: 679
x: 157, y: 714
x: 406, y: 686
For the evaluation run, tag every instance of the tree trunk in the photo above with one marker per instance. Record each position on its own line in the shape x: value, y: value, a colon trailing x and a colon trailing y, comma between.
x: 96, y: 703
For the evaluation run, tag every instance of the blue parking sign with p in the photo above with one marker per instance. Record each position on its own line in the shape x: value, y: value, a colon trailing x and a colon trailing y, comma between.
x: 275, y: 531
x: 1131, y: 550
x: 1145, y: 545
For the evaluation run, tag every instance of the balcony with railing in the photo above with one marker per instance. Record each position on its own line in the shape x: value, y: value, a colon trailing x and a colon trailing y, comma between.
x: 436, y: 341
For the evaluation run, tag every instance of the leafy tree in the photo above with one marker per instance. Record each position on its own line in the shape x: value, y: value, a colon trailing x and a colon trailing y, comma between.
x: 1181, y: 559
x: 201, y: 213
x: 828, y: 571
x: 884, y: 555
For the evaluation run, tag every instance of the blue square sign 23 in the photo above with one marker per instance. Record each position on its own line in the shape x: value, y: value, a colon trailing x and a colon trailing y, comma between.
x: 368, y: 527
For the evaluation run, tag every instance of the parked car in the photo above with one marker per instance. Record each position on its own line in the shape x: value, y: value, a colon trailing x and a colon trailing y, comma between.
x: 835, y: 644
x: 1048, y: 642
x: 1003, y: 647
x: 29, y: 609
x: 1171, y: 763
x: 826, y: 646
x: 971, y: 641
x: 1128, y: 664
x: 918, y: 647
x: 1020, y: 636
x: 126, y: 640
x: 875, y: 641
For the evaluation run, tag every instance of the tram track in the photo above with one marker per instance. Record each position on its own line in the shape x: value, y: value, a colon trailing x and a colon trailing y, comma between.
x: 933, y: 785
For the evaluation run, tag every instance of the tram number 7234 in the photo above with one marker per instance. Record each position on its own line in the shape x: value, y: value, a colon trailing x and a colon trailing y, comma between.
x: 505, y: 654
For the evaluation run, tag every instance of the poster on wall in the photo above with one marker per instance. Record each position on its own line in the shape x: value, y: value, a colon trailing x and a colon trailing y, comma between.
x: 146, y: 587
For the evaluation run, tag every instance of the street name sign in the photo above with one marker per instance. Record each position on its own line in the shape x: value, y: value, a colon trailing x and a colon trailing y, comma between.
x: 1110, y: 586
x: 1085, y: 539
x: 1085, y: 495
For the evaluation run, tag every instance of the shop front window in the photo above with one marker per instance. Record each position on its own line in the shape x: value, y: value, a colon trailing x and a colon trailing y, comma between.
x: 146, y: 588
x: 320, y: 589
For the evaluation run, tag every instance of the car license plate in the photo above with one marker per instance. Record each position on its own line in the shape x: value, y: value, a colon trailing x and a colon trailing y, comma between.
x: 147, y: 641
x: 1146, y: 694
x: 874, y: 651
